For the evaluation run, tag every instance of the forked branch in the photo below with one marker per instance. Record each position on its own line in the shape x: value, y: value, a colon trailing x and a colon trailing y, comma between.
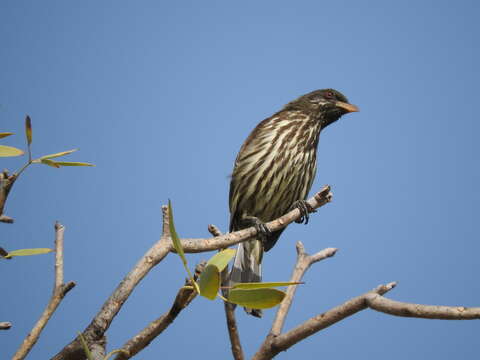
x: 157, y: 253
x: 274, y: 344
x: 59, y: 291
x: 137, y: 343
x: 233, y: 334
x: 304, y: 261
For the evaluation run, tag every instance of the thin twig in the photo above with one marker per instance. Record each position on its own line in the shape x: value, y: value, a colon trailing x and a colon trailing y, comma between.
x: 397, y: 308
x: 304, y: 261
x: 184, y: 297
x: 157, y: 253
x: 114, y: 303
x: 59, y: 291
x: 233, y: 333
x: 275, y: 344
x: 5, y: 325
x: 59, y: 231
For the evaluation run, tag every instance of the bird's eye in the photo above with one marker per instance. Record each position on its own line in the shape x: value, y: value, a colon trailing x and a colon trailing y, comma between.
x: 329, y: 95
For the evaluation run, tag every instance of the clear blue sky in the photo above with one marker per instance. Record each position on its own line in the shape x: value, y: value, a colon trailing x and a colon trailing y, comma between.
x: 160, y: 96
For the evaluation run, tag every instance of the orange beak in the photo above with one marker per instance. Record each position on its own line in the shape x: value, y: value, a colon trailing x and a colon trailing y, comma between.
x: 346, y: 106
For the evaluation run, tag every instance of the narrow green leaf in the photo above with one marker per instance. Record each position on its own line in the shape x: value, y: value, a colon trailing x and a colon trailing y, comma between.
x: 6, y: 151
x: 86, y: 350
x: 5, y: 134
x: 63, y: 153
x: 178, y: 245
x: 256, y: 298
x: 28, y: 129
x: 263, y: 285
x: 222, y: 258
x: 173, y: 233
x: 209, y: 282
x: 72, y: 163
x: 50, y: 163
x: 28, y: 252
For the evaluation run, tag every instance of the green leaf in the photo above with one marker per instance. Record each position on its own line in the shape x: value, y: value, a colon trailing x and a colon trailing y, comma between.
x: 209, y: 282
x: 28, y: 252
x: 85, y: 347
x: 178, y: 245
x: 5, y: 134
x: 263, y: 285
x: 6, y: 151
x: 256, y: 298
x: 28, y: 129
x: 73, y: 163
x: 50, y: 163
x: 58, y: 164
x: 222, y: 258
x: 63, y: 153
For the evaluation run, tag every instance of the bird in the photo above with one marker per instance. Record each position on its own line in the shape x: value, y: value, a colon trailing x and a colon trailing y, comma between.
x: 273, y: 173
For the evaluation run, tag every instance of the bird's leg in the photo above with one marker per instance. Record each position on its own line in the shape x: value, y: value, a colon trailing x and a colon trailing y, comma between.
x: 262, y: 230
x: 305, y: 209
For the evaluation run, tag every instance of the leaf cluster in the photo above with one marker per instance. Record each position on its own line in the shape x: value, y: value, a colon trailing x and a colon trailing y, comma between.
x: 256, y: 295
x: 7, y: 181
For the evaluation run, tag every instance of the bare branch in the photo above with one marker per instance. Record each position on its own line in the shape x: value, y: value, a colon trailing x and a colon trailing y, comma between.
x: 6, y: 219
x: 97, y: 349
x: 114, y: 303
x: 59, y: 231
x: 234, y: 335
x: 303, y: 263
x: 6, y: 183
x: 143, y: 338
x: 5, y: 325
x: 324, y: 196
x: 275, y: 344
x: 397, y: 308
x: 59, y: 291
x: 157, y: 253
x: 214, y: 230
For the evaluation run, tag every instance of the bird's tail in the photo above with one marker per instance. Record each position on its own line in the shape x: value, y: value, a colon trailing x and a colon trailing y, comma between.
x: 247, y: 267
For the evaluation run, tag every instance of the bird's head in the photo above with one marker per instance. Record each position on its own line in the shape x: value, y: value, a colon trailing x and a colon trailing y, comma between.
x: 326, y: 105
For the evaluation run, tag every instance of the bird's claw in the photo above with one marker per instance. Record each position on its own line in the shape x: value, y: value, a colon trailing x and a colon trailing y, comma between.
x: 305, y: 210
x: 262, y: 230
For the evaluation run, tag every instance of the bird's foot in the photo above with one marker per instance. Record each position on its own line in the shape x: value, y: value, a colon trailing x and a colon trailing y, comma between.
x: 305, y: 210
x: 263, y: 232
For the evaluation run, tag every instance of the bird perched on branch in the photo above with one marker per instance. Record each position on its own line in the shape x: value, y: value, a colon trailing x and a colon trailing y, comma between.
x: 273, y: 173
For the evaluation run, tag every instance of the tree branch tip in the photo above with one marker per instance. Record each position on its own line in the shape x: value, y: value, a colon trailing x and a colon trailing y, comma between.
x: 6, y: 219
x: 214, y: 230
x: 329, y: 197
x: 300, y: 248
x: 5, y: 325
x: 326, y: 188
x: 329, y: 252
x: 392, y: 284
x: 67, y: 287
x: 382, y: 289
x: 58, y: 226
x: 325, y: 194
